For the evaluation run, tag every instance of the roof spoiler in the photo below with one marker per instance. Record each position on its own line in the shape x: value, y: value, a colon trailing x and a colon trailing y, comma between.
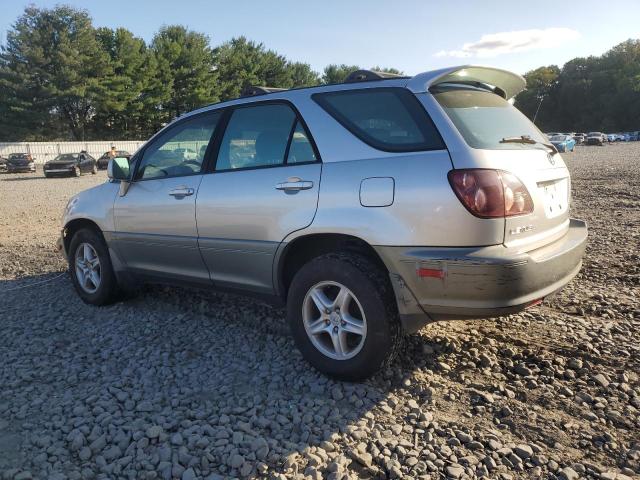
x: 504, y: 83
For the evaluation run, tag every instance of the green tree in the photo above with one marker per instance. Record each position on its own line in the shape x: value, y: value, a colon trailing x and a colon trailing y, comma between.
x: 302, y: 75
x: 337, y: 73
x: 121, y: 112
x: 395, y: 71
x: 241, y: 63
x: 53, y: 69
x: 185, y: 67
x: 537, y: 100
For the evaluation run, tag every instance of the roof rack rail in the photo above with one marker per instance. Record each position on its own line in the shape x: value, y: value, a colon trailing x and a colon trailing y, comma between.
x: 369, y: 75
x: 253, y: 91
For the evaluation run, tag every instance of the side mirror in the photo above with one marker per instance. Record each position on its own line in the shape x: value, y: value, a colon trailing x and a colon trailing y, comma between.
x: 118, y: 169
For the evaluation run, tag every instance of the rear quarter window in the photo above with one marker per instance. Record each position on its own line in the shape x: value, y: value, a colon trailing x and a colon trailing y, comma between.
x: 389, y: 119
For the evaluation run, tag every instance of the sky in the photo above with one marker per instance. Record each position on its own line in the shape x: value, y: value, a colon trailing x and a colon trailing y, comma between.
x: 412, y: 36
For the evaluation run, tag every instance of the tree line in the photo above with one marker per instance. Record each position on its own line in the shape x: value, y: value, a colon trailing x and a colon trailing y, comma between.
x: 597, y: 93
x: 63, y: 79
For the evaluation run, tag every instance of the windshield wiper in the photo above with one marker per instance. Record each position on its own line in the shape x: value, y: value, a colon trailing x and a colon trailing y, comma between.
x: 526, y: 139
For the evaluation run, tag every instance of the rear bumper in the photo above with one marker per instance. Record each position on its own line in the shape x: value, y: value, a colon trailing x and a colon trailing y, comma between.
x: 480, y: 282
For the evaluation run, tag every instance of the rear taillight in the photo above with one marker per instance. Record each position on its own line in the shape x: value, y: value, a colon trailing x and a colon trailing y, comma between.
x: 491, y: 193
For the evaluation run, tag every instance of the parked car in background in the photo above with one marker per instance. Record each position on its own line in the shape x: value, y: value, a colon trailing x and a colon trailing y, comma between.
x: 579, y: 138
x: 611, y: 137
x: 3, y: 164
x: 563, y: 143
x: 634, y: 136
x: 596, y: 138
x: 20, y: 162
x: 70, y: 164
x: 361, y: 206
x: 103, y: 161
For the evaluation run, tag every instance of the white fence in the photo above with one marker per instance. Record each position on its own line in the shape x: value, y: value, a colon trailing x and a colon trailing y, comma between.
x: 45, y: 151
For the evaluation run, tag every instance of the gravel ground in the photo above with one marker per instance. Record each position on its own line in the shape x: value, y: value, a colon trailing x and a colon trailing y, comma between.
x: 176, y: 384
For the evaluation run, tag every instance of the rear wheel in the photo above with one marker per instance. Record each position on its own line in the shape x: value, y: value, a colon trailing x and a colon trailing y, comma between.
x: 343, y: 316
x: 91, y: 270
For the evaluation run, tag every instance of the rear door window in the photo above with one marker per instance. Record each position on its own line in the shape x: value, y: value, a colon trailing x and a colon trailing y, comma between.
x: 389, y: 119
x: 256, y: 136
x: 300, y: 148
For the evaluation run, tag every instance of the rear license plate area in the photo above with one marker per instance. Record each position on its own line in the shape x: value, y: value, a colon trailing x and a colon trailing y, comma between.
x: 555, y: 194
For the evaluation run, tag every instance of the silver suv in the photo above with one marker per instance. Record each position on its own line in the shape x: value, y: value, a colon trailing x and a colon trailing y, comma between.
x: 369, y: 208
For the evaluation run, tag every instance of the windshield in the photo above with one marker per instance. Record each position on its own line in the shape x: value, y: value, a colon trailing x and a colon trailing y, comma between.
x: 558, y: 138
x: 66, y: 157
x: 15, y: 156
x: 595, y: 134
x: 484, y: 119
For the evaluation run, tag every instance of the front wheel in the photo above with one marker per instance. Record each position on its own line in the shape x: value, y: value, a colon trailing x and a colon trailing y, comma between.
x: 343, y: 316
x: 90, y: 268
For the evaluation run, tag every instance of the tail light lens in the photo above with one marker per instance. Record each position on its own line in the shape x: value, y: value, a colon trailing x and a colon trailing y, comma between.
x: 491, y: 193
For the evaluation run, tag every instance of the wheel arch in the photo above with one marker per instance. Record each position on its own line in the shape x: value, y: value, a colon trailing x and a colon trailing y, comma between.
x: 304, y: 248
x: 74, y: 226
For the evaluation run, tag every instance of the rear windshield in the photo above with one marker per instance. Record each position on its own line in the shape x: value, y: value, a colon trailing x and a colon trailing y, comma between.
x: 484, y: 118
x: 389, y: 119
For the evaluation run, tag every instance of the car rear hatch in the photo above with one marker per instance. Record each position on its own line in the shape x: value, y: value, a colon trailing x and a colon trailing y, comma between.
x: 487, y: 132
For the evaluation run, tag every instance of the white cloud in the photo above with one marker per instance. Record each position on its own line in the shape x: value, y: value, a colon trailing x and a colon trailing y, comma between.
x: 495, y: 44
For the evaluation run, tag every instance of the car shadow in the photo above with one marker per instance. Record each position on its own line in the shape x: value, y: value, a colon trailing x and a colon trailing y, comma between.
x: 219, y: 364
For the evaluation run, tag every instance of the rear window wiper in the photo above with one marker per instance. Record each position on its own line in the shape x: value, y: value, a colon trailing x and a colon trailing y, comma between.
x: 528, y: 140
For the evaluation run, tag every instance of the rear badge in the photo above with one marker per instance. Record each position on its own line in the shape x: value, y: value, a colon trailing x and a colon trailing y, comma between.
x: 550, y: 158
x: 519, y: 230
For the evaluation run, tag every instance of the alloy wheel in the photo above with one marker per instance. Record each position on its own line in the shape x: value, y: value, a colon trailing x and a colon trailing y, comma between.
x: 87, y: 266
x: 334, y: 320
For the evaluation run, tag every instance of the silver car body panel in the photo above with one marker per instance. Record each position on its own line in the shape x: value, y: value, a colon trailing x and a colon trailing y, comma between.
x: 95, y: 204
x: 155, y: 233
x: 424, y: 210
x: 242, y: 218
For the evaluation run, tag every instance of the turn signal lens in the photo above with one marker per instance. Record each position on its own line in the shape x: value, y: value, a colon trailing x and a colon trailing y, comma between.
x: 491, y: 193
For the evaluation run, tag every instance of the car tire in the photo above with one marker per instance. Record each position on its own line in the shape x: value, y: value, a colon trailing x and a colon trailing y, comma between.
x: 76, y: 171
x: 106, y: 291
x: 371, y: 307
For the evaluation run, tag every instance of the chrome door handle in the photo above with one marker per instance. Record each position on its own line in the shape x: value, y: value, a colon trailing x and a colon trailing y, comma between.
x: 181, y: 192
x: 294, y: 186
